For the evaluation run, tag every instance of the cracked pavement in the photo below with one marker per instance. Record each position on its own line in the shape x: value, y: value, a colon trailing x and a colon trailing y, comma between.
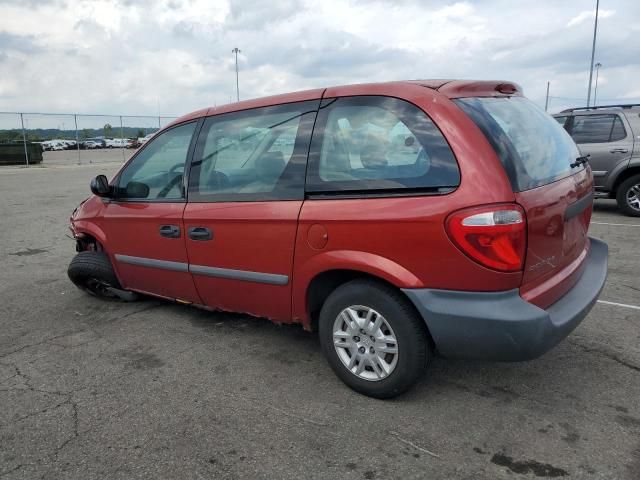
x: 94, y: 389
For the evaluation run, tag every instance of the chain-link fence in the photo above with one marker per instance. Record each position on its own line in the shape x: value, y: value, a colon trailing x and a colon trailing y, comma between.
x: 67, y: 139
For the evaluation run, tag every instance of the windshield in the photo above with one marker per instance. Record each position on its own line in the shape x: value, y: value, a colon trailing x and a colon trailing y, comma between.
x: 534, y: 148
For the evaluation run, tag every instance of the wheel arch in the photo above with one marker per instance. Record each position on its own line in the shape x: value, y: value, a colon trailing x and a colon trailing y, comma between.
x: 91, y: 231
x: 324, y: 283
x: 629, y: 171
x: 330, y: 269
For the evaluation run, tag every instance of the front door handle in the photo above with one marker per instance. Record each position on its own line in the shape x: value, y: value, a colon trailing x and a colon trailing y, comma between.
x: 200, y: 233
x: 619, y: 150
x: 170, y: 231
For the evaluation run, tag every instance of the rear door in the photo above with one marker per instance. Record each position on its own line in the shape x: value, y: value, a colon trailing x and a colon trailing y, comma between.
x: 555, y: 191
x: 143, y: 224
x: 246, y: 189
x: 605, y: 138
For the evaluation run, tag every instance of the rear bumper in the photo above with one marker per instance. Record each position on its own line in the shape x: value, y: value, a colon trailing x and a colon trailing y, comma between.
x: 501, y: 325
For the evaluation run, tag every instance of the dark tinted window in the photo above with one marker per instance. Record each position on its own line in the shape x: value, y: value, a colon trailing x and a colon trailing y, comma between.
x: 534, y: 149
x: 617, y: 132
x: 597, y: 129
x: 561, y: 120
x: 253, y: 155
x: 373, y: 143
x: 157, y: 171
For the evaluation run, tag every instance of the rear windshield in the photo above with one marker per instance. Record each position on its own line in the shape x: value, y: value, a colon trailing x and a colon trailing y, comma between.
x: 534, y: 148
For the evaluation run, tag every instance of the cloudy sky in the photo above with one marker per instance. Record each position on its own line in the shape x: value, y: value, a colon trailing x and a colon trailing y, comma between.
x: 174, y: 56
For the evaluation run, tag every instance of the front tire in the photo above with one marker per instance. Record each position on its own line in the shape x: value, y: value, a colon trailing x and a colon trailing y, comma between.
x: 93, y: 273
x: 373, y: 339
x: 628, y: 196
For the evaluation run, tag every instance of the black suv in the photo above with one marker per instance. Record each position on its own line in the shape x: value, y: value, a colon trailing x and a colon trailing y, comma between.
x: 610, y: 135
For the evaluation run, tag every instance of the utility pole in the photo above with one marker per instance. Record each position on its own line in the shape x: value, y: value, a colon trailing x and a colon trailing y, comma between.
x: 546, y: 102
x: 593, y: 52
x: 24, y: 141
x: 75, y: 121
x: 236, y: 51
x: 595, y: 90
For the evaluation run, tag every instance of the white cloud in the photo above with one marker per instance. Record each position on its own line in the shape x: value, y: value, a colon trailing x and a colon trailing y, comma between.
x: 126, y: 56
x: 588, y: 15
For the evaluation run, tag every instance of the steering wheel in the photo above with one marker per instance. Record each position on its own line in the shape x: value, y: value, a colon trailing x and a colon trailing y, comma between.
x: 174, y: 181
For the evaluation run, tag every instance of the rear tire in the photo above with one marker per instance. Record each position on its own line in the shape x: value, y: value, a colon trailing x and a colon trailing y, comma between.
x: 628, y: 196
x: 93, y: 273
x: 373, y: 339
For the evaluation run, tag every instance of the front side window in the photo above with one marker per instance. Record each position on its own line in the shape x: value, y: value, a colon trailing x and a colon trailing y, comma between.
x: 371, y: 143
x: 156, y: 173
x: 253, y: 155
x: 597, y: 129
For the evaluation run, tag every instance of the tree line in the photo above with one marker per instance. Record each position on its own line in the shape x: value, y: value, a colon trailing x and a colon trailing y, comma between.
x: 42, y: 134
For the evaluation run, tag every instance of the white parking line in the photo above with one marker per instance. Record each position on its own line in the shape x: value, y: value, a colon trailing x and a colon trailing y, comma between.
x: 624, y: 305
x: 615, y: 224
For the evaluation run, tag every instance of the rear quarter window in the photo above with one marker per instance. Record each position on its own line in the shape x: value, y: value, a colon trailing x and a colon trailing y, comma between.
x: 369, y: 144
x: 533, y: 147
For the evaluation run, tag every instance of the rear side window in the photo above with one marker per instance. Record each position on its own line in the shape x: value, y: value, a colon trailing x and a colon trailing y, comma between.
x: 597, y: 129
x: 253, y: 155
x: 534, y: 148
x: 373, y: 143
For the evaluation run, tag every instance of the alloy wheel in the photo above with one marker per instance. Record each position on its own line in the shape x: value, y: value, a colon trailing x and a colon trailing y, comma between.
x: 633, y: 197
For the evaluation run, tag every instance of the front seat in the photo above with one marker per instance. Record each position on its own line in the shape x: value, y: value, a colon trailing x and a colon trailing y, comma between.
x: 268, y: 167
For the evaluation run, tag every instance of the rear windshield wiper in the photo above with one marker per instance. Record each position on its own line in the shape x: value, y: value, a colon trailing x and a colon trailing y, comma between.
x: 580, y: 161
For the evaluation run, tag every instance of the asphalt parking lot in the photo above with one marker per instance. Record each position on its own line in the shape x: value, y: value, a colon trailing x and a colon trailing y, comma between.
x: 94, y: 389
x: 85, y: 157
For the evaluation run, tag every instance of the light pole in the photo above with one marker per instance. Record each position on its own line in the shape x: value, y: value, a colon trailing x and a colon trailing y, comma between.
x: 546, y: 102
x: 236, y: 51
x: 593, y: 52
x: 595, y: 90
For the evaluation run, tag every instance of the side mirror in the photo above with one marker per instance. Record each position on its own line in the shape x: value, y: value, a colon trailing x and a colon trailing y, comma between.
x: 100, y: 186
x: 137, y: 190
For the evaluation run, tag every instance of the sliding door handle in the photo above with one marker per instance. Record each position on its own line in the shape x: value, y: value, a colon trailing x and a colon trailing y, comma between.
x: 200, y: 233
x: 170, y: 231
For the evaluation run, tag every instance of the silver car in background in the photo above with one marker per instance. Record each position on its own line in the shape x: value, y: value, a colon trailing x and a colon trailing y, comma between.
x: 610, y: 135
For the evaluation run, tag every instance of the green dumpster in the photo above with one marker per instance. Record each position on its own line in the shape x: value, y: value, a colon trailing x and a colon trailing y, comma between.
x: 12, y: 153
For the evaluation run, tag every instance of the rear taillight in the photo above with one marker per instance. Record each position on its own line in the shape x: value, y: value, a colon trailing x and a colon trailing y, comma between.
x: 494, y: 235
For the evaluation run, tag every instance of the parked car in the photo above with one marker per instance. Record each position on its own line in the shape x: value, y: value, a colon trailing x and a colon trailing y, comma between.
x: 99, y: 142
x: 606, y: 134
x: 53, y: 145
x: 134, y: 143
x: 146, y: 138
x: 396, y: 219
x: 90, y: 145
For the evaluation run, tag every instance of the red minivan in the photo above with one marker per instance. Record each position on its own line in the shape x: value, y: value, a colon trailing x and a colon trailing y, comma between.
x: 395, y: 219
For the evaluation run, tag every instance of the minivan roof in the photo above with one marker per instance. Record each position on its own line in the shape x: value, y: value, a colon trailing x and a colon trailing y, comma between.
x: 448, y: 87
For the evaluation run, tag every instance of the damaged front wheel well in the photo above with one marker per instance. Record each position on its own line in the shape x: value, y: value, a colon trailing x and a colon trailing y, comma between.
x: 87, y: 243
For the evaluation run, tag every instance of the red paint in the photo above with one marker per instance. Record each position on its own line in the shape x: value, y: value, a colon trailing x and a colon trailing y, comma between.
x: 249, y: 236
x: 132, y: 228
x: 401, y: 240
x: 553, y: 244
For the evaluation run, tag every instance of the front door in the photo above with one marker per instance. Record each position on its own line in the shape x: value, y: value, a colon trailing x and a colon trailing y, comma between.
x: 605, y: 138
x: 246, y: 188
x: 143, y: 224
